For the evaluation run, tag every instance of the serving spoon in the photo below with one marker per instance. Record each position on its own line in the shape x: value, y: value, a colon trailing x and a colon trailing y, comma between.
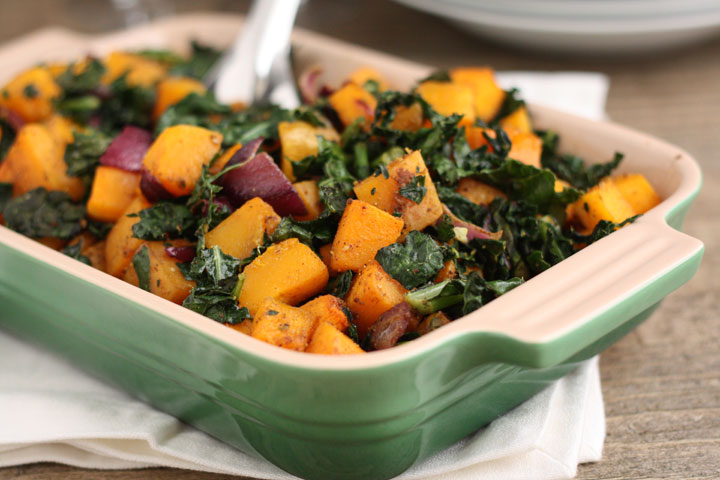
x: 256, y: 69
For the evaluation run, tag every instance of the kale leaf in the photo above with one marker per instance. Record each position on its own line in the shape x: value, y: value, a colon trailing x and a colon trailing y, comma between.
x: 39, y: 213
x: 511, y: 103
x: 126, y: 105
x: 164, y: 220
x: 415, y: 189
x: 314, y: 233
x: 194, y: 109
x: 601, y: 230
x: 75, y: 251
x: 202, y: 59
x: 82, y: 156
x: 340, y: 285
x: 413, y: 263
x: 478, y: 292
x: 5, y: 194
x: 141, y: 264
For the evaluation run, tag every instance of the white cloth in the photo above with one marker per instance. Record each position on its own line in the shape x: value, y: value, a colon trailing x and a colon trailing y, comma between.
x: 50, y: 411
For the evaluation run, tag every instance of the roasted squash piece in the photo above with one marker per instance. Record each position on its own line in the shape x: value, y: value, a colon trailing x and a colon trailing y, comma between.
x: 379, y: 191
x: 310, y: 196
x: 364, y: 74
x: 173, y: 89
x: 408, y: 118
x: 246, y: 326
x: 488, y: 97
x: 637, y: 191
x: 330, y: 309
x: 526, y: 148
x: 432, y: 322
x: 604, y: 201
x: 328, y: 340
x: 478, y: 192
x: 120, y: 245
x: 30, y: 94
x: 62, y: 129
x: 372, y: 293
x: 240, y: 233
x: 140, y: 70
x: 299, y: 140
x: 288, y: 271
x: 112, y: 191
x: 282, y: 325
x: 36, y: 160
x: 448, y: 98
x: 351, y: 102
x: 176, y: 157
x: 448, y: 272
x: 165, y: 278
x: 518, y: 121
x: 363, y: 230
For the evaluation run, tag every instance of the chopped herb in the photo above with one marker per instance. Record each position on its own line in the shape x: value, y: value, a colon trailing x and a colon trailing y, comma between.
x: 415, y: 190
x: 141, y: 264
x: 272, y: 312
x: 413, y: 263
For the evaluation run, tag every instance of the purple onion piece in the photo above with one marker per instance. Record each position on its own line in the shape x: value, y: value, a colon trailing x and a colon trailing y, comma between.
x: 246, y: 152
x: 128, y: 149
x: 184, y: 254
x: 261, y: 177
x: 151, y: 187
x: 473, y: 231
x: 308, y: 84
x: 221, y: 201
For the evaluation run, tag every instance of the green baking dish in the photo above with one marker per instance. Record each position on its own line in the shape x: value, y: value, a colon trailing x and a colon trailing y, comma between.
x: 370, y: 416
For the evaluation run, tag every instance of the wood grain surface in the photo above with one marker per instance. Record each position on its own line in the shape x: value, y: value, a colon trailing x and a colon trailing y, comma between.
x: 661, y: 383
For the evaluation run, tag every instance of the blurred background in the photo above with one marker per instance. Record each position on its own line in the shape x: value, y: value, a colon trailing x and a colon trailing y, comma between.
x: 661, y: 383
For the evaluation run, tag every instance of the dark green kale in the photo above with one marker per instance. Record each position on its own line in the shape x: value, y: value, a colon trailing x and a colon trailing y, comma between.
x: 7, y: 137
x: 75, y: 251
x: 39, y: 213
x: 217, y: 288
x: 461, y: 206
x: 163, y: 221
x: 437, y: 76
x: 601, y: 230
x: 572, y: 168
x: 82, y: 156
x: 511, y: 103
x: 479, y: 292
x: 194, y: 109
x: 80, y: 97
x: 340, y: 286
x: 201, y: 60
x: 313, y: 233
x: 336, y: 184
x: 30, y: 91
x: 162, y: 56
x: 141, y: 264
x: 5, y: 194
x: 126, y: 105
x: 413, y: 263
x: 99, y: 229
x: 415, y: 189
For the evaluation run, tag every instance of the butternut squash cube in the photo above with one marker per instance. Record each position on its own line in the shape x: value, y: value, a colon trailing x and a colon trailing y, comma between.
x: 282, y: 325
x: 448, y: 98
x: 526, y: 148
x: 166, y: 280
x: 328, y: 340
x: 372, y: 293
x: 448, y: 272
x: 37, y: 160
x: 62, y: 129
x: 140, y: 70
x: 408, y: 118
x: 173, y: 89
x: 363, y: 230
x: 310, y: 196
x: 299, y: 140
x: 328, y: 308
x: 246, y: 326
x: 120, y: 245
x: 240, y: 233
x: 176, y: 157
x: 112, y: 191
x: 637, y: 191
x: 488, y: 96
x: 352, y: 102
x: 518, y: 121
x: 478, y: 192
x: 604, y: 201
x: 30, y: 94
x: 378, y: 191
x: 288, y: 271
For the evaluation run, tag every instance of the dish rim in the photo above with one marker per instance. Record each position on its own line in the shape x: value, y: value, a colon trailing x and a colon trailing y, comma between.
x: 651, y: 226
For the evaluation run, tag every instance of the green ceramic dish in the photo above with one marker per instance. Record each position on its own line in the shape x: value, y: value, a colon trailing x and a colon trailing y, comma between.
x: 370, y: 416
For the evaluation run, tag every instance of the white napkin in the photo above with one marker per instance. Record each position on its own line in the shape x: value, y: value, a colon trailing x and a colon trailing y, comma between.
x: 50, y: 411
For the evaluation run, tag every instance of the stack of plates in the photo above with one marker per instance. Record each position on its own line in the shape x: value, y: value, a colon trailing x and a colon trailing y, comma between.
x: 583, y: 26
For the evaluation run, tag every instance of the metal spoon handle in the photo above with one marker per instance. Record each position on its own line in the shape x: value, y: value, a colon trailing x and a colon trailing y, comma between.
x: 257, y: 67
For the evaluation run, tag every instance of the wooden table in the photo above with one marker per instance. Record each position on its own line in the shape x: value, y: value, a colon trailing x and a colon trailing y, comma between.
x: 662, y: 382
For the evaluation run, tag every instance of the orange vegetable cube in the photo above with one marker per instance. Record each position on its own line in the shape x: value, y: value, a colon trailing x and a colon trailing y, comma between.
x: 488, y: 96
x: 328, y: 340
x: 165, y: 278
x: 372, y: 293
x: 112, y: 191
x: 526, y: 148
x: 352, y: 102
x: 310, y: 196
x: 30, y: 94
x: 140, y: 70
x: 602, y: 202
x: 478, y: 192
x: 173, y: 89
x: 448, y: 98
x: 240, y: 233
x: 378, y: 191
x: 6, y: 174
x: 408, y: 118
x: 363, y: 230
x: 222, y: 160
x: 637, y: 191
x: 328, y: 308
x: 176, y: 157
x: 432, y: 322
x: 62, y: 129
x: 37, y: 160
x: 448, y: 272
x: 120, y: 245
x: 246, y: 326
x: 362, y: 75
x: 299, y: 140
x: 282, y: 325
x: 518, y: 121
x: 288, y: 271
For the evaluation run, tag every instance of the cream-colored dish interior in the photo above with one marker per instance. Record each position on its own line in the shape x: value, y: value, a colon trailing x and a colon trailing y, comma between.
x: 548, y: 306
